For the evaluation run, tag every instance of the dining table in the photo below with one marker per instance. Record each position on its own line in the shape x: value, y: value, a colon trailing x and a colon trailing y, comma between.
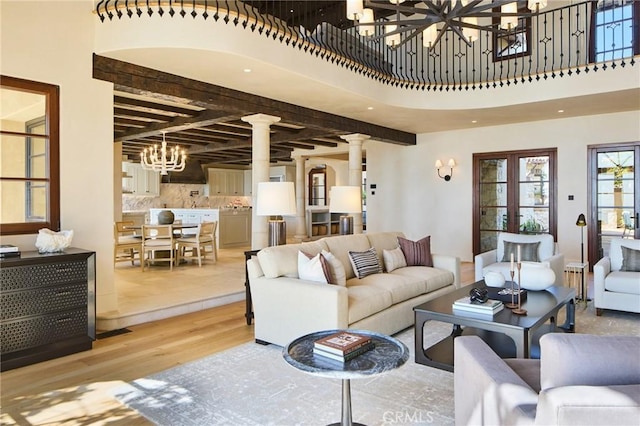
x: 175, y: 227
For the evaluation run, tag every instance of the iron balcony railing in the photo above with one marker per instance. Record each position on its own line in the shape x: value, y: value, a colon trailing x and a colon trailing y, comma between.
x: 586, y: 37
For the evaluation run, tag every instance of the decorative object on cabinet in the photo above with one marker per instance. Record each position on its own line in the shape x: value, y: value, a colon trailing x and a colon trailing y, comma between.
x: 163, y: 161
x: 49, y: 241
x: 276, y: 199
x: 48, y: 306
x: 166, y: 217
x: 345, y: 199
x: 451, y: 163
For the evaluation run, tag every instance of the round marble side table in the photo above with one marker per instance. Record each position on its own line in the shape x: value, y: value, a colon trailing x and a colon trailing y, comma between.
x: 388, y: 354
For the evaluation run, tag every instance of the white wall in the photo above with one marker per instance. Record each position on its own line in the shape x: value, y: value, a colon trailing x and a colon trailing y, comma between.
x: 410, y: 196
x: 52, y: 42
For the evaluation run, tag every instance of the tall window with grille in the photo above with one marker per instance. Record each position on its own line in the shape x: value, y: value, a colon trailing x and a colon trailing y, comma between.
x: 615, y: 30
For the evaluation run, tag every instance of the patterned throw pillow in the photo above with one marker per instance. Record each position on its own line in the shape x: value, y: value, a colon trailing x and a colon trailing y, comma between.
x: 338, y: 274
x: 630, y: 259
x: 393, y: 259
x: 417, y: 253
x: 528, y: 251
x: 313, y: 268
x: 365, y: 263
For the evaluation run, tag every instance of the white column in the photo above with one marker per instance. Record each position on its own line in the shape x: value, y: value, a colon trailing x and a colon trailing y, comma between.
x: 260, y: 143
x: 301, y: 223
x: 355, y: 170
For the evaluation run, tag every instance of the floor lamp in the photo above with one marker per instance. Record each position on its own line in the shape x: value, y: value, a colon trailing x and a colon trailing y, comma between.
x: 276, y: 199
x: 345, y: 199
x: 582, y: 223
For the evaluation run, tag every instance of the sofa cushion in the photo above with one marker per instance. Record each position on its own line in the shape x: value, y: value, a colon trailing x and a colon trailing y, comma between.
x: 528, y: 251
x: 313, y: 268
x: 366, y: 300
x: 401, y: 287
x: 338, y: 274
x: 630, y: 259
x: 590, y: 360
x: 433, y: 278
x: 279, y: 261
x: 615, y: 251
x: 339, y: 246
x: 393, y: 259
x: 527, y: 369
x: 417, y: 253
x: 365, y: 263
x: 623, y: 282
x: 546, y: 249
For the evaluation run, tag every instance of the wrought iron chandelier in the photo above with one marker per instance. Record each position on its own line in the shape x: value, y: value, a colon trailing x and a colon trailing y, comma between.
x: 433, y: 18
x: 162, y: 160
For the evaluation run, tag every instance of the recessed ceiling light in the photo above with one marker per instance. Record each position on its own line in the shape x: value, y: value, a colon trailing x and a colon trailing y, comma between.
x: 370, y: 108
x: 560, y: 110
x: 474, y: 121
x: 247, y: 70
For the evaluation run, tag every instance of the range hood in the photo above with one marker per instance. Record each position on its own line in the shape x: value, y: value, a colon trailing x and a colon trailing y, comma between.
x: 192, y: 173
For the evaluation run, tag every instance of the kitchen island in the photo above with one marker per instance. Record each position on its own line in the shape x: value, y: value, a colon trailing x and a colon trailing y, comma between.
x: 235, y: 227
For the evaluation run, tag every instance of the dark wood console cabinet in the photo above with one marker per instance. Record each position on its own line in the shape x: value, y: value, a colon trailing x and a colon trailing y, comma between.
x: 48, y: 306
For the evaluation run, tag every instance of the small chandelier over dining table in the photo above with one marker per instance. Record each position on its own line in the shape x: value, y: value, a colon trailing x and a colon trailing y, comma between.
x: 162, y: 160
x: 433, y: 18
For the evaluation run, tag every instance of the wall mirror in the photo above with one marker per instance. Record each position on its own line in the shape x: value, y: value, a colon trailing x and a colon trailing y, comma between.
x: 29, y: 157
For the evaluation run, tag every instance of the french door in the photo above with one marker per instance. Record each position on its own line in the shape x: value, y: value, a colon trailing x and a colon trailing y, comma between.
x: 514, y: 191
x: 614, y: 196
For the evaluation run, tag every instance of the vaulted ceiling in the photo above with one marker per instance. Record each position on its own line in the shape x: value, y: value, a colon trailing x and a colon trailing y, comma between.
x: 206, y: 119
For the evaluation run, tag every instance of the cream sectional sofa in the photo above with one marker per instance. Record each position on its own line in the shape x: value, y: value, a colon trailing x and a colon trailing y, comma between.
x: 287, y: 307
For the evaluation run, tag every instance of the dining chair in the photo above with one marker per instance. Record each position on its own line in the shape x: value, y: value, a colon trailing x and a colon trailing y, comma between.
x: 125, y: 243
x: 157, y: 238
x: 198, y: 243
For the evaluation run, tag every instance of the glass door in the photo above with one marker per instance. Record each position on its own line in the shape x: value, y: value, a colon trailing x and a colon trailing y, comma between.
x: 514, y: 192
x: 615, y: 186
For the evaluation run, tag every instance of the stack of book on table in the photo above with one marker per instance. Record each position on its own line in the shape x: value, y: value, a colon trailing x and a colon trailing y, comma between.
x: 7, y: 250
x: 465, y: 306
x: 342, y: 346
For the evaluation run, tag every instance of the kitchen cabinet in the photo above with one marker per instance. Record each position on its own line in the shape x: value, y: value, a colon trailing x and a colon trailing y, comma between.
x: 138, y: 181
x: 226, y: 182
x: 48, y: 306
x: 235, y: 228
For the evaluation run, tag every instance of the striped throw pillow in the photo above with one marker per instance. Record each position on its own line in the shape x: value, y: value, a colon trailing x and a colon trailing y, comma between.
x: 365, y: 263
x: 417, y: 253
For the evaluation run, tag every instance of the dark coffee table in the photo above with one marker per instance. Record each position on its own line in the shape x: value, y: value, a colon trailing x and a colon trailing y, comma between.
x: 510, y: 335
x: 388, y: 354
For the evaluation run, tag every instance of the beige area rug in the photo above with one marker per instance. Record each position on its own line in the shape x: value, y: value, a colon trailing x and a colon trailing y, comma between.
x: 253, y: 385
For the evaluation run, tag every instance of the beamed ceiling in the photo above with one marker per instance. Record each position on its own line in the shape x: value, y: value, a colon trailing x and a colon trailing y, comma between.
x: 206, y: 119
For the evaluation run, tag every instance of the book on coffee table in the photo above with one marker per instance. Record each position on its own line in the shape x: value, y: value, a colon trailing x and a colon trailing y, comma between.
x: 341, y: 343
x: 489, y: 307
x: 348, y: 356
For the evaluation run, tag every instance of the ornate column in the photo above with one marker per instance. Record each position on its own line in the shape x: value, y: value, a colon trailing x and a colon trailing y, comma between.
x: 355, y: 170
x: 260, y: 144
x: 301, y: 222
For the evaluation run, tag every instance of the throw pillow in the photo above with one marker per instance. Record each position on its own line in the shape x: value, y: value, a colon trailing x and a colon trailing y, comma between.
x: 417, y: 253
x: 338, y: 274
x: 393, y: 259
x: 630, y: 259
x: 528, y: 251
x: 312, y: 268
x: 365, y: 263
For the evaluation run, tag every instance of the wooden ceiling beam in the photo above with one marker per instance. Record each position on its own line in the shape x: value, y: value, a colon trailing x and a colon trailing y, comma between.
x: 130, y: 78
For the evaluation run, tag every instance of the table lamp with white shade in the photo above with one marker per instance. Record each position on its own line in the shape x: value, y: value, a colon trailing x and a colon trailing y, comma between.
x: 345, y: 199
x: 276, y: 199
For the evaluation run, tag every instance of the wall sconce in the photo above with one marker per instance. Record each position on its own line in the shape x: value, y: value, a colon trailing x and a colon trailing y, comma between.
x: 451, y: 165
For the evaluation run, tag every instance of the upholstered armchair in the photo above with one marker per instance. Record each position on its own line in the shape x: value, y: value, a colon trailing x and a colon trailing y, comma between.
x: 540, y: 249
x: 580, y: 379
x: 616, y: 278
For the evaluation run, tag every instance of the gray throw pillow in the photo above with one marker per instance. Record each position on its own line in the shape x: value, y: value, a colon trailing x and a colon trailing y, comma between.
x: 630, y: 259
x: 528, y: 251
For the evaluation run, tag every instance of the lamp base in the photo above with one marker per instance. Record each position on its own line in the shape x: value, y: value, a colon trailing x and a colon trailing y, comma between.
x: 277, y: 232
x: 346, y: 225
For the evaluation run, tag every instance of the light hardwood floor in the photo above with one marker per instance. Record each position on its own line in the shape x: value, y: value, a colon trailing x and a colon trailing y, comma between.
x: 74, y: 390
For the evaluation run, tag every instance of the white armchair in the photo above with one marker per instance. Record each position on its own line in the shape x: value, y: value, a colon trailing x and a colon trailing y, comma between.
x: 547, y: 255
x: 613, y: 287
